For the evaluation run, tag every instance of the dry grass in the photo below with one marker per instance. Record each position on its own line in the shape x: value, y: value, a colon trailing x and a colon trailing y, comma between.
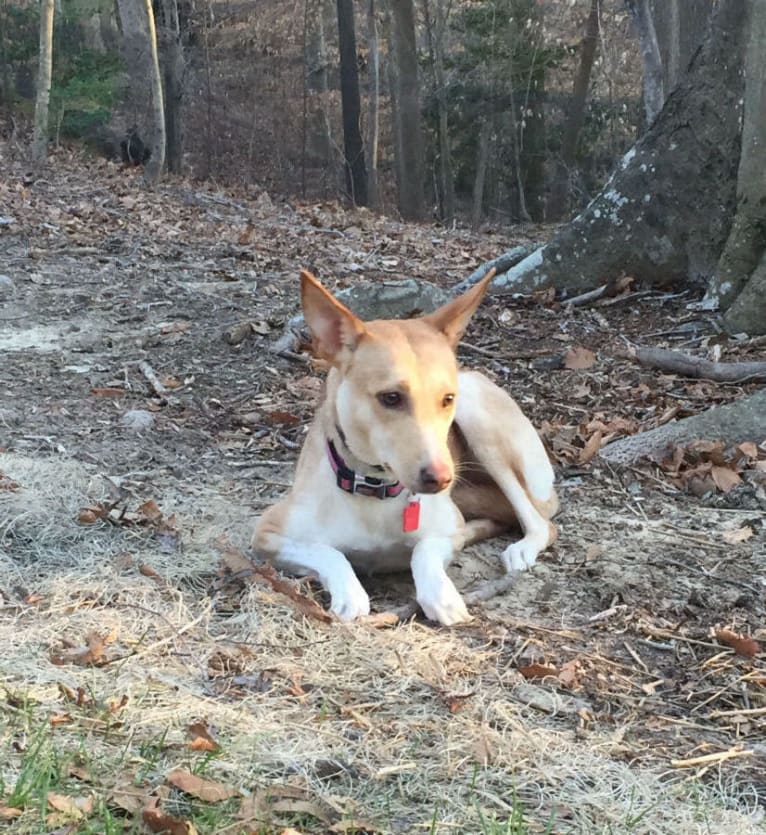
x: 369, y: 724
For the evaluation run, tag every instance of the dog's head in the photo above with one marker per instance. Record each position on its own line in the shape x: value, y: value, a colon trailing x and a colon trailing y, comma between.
x: 397, y: 387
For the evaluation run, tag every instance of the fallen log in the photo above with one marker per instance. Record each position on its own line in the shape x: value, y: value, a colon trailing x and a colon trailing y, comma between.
x: 702, y: 369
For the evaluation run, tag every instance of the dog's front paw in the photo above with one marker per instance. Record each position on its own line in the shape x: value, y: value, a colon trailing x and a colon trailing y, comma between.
x: 349, y: 599
x: 442, y: 602
x: 522, y: 554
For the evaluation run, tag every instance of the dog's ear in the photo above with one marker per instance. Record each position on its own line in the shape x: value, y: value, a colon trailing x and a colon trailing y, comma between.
x: 332, y: 325
x: 452, y: 318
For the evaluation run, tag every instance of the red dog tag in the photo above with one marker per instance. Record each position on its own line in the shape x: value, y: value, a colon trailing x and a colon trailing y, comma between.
x: 411, y: 516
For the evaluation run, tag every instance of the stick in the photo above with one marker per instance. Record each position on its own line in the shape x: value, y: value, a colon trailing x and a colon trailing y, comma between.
x: 590, y: 296
x: 706, y: 759
x: 152, y: 379
x: 718, y: 372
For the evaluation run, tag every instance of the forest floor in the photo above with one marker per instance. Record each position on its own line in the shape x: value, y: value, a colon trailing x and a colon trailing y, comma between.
x: 617, y: 687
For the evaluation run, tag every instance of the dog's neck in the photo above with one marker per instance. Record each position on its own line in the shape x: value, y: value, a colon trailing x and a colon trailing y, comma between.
x: 337, y: 437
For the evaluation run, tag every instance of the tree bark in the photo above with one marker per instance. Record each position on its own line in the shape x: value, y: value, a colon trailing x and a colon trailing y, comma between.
x: 742, y: 259
x: 558, y: 205
x: 172, y: 70
x: 482, y: 158
x: 157, y: 138
x: 356, y: 172
x: 680, y: 26
x: 665, y: 213
x: 44, y: 73
x: 409, y: 139
x: 651, y: 61
x: 373, y: 101
x: 435, y: 28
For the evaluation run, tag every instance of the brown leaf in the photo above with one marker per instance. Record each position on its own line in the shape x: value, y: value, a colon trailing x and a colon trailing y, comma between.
x: 175, y: 327
x: 591, y: 448
x: 738, y: 535
x: 91, y: 654
x: 73, y: 807
x: 748, y: 449
x: 201, y: 738
x: 538, y: 671
x: 283, y: 418
x: 211, y: 791
x: 578, y: 357
x: 305, y: 605
x: 10, y: 812
x: 741, y: 644
x: 159, y: 821
x: 724, y: 478
x: 568, y: 674
x: 151, y: 511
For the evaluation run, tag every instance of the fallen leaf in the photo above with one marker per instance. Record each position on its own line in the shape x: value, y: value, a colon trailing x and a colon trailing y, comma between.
x: 593, y: 552
x: 577, y: 358
x: 10, y: 812
x: 73, y: 807
x: 151, y: 511
x: 748, y: 449
x: 90, y: 654
x: 724, y: 478
x: 161, y: 822
x: 107, y: 391
x: 538, y: 671
x: 741, y: 644
x: 201, y: 737
x: 175, y: 327
x: 738, y: 535
x: 211, y: 791
x: 591, y: 448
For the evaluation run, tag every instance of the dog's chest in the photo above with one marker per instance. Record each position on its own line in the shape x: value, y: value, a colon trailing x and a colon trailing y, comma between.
x: 370, y: 531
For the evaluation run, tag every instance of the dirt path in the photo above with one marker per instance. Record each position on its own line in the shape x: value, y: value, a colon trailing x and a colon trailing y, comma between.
x: 593, y: 697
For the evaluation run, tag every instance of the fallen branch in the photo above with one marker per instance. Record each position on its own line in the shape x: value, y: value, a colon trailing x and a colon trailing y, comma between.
x: 152, y: 379
x: 718, y: 372
x: 707, y: 759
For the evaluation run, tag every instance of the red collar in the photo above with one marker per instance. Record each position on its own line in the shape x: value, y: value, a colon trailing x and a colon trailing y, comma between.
x: 352, y: 482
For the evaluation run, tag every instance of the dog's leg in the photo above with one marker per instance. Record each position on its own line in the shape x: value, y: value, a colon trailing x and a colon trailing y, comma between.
x: 331, y: 568
x: 504, y: 442
x: 324, y: 563
x: 435, y: 592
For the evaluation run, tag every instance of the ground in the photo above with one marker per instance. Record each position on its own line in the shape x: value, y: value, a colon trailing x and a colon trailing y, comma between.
x: 600, y: 694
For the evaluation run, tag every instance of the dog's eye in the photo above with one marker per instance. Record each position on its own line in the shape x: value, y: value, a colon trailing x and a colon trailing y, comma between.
x: 448, y: 400
x: 390, y: 399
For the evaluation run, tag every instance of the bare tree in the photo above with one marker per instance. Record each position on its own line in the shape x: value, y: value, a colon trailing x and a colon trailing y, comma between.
x: 409, y: 137
x: 44, y: 73
x: 157, y: 140
x: 435, y: 25
x: 686, y: 205
x: 172, y: 61
x: 651, y: 60
x: 356, y: 172
x: 558, y: 203
x: 374, y: 101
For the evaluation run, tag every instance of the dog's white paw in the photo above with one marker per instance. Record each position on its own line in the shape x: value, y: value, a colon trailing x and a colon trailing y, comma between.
x: 441, y: 601
x: 522, y: 554
x: 349, y: 599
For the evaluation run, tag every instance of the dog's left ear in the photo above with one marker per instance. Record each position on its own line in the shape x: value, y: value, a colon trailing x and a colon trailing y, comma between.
x: 333, y: 326
x: 452, y: 318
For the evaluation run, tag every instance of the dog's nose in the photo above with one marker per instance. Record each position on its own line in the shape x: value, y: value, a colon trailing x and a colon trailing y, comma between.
x: 435, y: 478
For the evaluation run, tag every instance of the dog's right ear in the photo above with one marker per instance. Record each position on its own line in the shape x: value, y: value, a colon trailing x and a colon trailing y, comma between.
x: 333, y: 327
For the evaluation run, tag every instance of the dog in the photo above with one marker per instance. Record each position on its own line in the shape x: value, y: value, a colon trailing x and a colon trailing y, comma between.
x: 407, y: 461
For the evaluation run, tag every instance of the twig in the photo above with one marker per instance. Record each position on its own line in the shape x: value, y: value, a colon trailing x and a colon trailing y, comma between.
x: 152, y: 379
x: 706, y: 759
x: 718, y: 372
x: 590, y: 296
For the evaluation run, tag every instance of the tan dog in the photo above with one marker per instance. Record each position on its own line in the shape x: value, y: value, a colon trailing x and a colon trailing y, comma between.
x: 407, y: 460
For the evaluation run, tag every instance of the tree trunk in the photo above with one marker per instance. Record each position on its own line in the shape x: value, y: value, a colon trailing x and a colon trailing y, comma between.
x: 172, y: 70
x: 666, y: 211
x: 356, y: 173
x: 482, y: 158
x: 374, y: 105
x: 435, y: 28
x: 409, y: 140
x: 680, y: 26
x: 40, y: 143
x: 157, y: 140
x: 558, y: 205
x: 740, y: 281
x: 651, y: 61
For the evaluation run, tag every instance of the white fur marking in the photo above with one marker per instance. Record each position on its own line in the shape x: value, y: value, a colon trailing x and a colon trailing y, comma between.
x: 435, y: 592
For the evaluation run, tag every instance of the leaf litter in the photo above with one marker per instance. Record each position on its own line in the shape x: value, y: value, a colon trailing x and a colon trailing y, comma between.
x: 646, y: 612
